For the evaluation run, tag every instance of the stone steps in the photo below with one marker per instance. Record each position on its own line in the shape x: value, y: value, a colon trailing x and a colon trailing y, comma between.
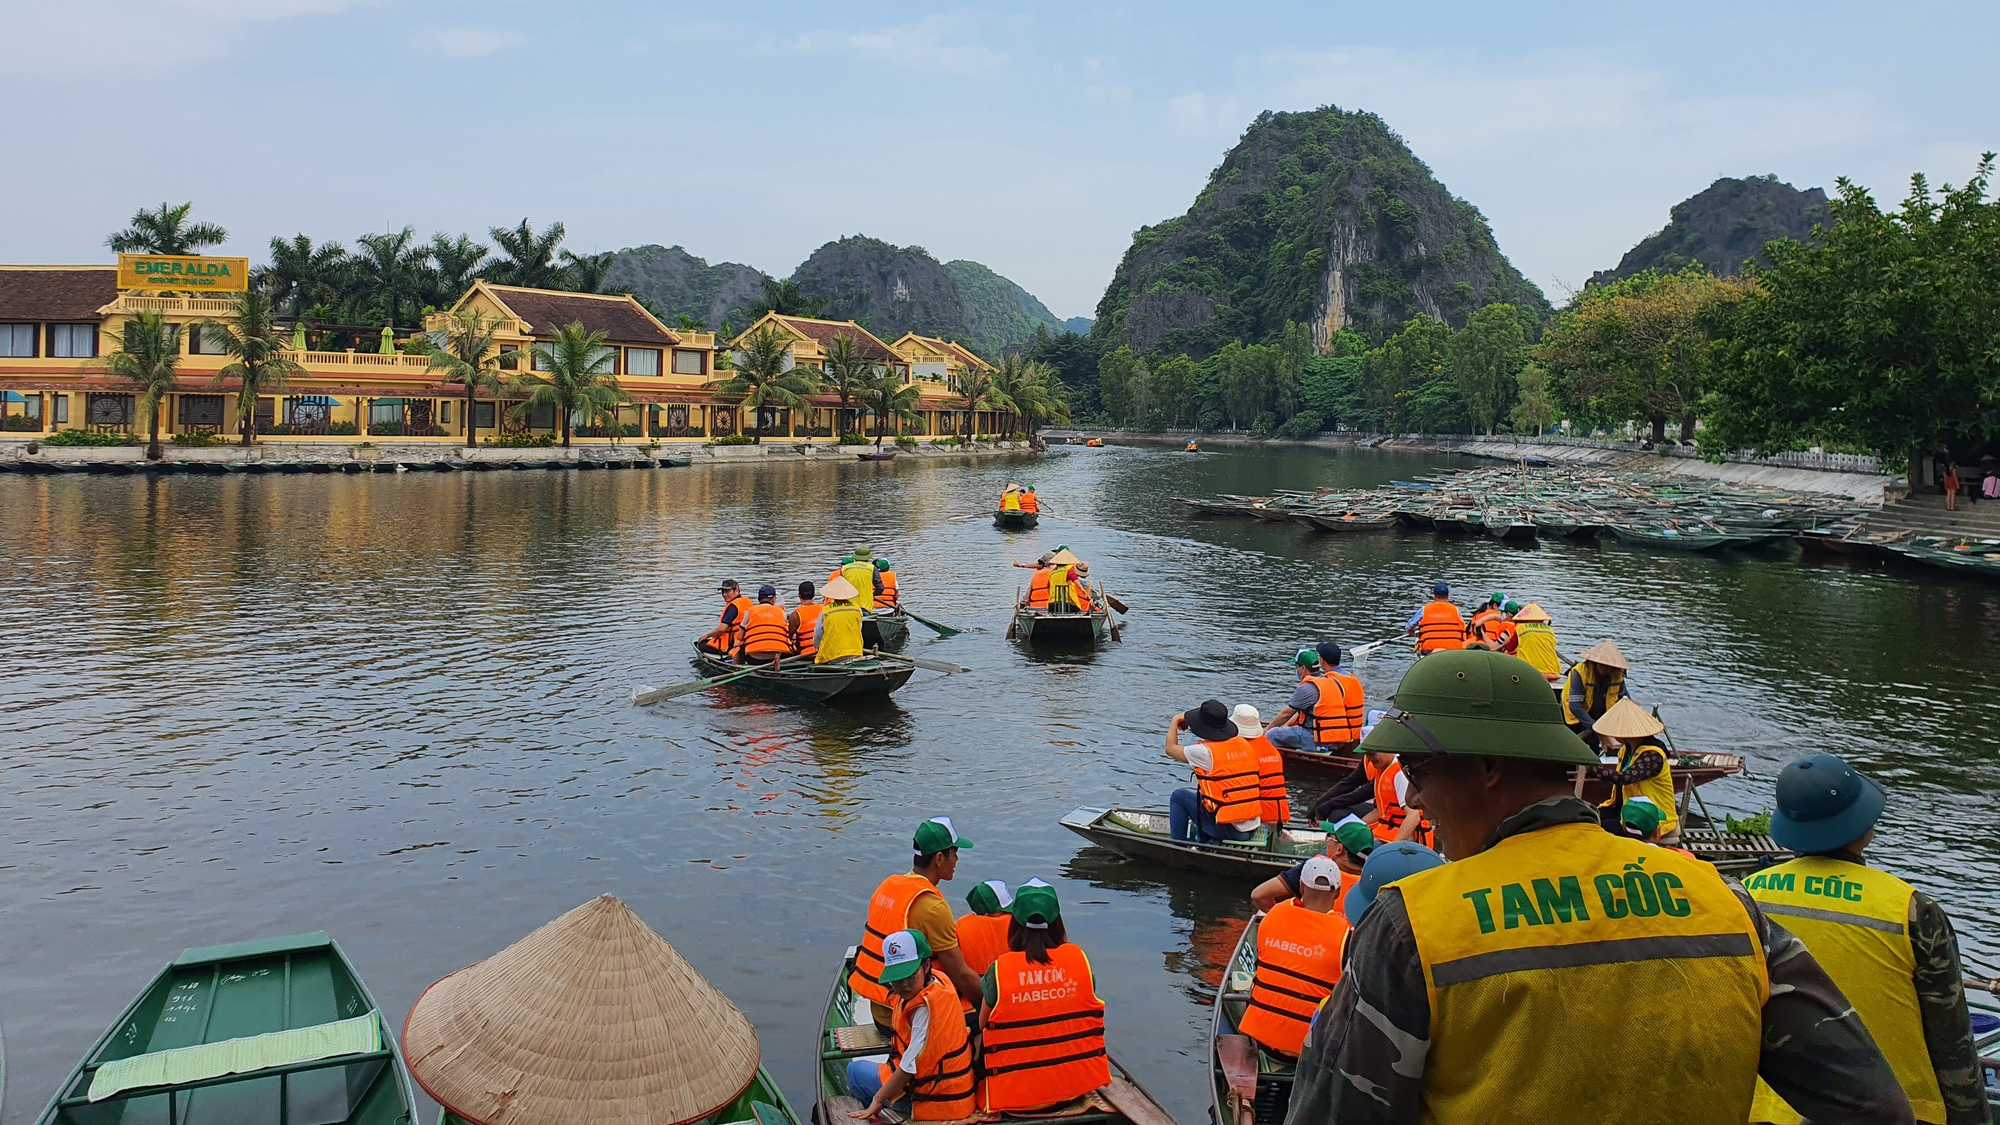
x: 1926, y: 515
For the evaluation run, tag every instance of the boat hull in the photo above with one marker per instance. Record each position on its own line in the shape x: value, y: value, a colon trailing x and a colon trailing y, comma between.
x: 805, y: 682
x: 1273, y: 1073
x: 1141, y: 834
x: 1038, y: 628
x: 1016, y: 521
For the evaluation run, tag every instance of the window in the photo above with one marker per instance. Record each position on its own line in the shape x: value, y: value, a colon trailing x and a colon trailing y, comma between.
x: 643, y: 361
x: 510, y: 357
x: 201, y: 410
x: 482, y: 415
x: 72, y: 341
x: 17, y: 341
x: 62, y: 409
x: 205, y: 339
x: 542, y: 418
x: 688, y: 362
x: 539, y: 359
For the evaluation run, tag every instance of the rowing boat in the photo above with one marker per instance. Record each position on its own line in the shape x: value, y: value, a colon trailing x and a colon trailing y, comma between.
x: 273, y: 1032
x: 1015, y: 521
x: 849, y: 1032
x: 1262, y: 1079
x: 1351, y: 521
x: 881, y: 630
x: 1689, y: 769
x: 801, y: 681
x: 1674, y: 539
x: 1142, y: 834
x: 885, y: 455
x: 1510, y: 527
x: 1041, y: 626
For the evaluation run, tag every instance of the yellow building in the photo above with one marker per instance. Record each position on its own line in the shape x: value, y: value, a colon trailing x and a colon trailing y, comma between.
x: 940, y: 367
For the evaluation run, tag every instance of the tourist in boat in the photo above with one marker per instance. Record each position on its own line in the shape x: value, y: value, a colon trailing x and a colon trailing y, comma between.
x: 1438, y: 626
x: 1636, y: 764
x: 1641, y: 819
x: 1079, y: 588
x: 912, y: 901
x: 1352, y: 795
x: 1889, y: 946
x: 1029, y: 501
x: 1386, y: 865
x: 1192, y: 447
x: 885, y: 595
x: 927, y: 1074
x: 1041, y: 1023
x: 767, y: 631
x: 1596, y: 683
x: 728, y: 633
x: 1501, y: 634
x: 1326, y: 708
x: 1038, y: 582
x: 1062, y: 581
x: 982, y: 933
x: 1535, y: 640
x: 1224, y: 806
x: 1347, y: 845
x: 804, y: 619
x: 1274, y: 801
x: 1484, y: 618
x: 1299, y: 944
x: 1393, y: 818
x: 1708, y: 995
x: 1010, y: 498
x: 837, y: 634
x: 859, y: 570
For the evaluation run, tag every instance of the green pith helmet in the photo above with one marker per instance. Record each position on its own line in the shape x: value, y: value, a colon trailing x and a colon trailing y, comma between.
x: 1477, y: 702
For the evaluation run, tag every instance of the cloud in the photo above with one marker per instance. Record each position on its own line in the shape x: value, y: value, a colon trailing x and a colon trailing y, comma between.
x: 933, y: 43
x: 112, y: 35
x: 468, y: 42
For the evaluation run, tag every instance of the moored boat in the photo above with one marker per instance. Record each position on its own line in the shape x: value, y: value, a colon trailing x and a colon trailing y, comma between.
x: 1142, y: 834
x: 1260, y: 1079
x: 1352, y: 521
x: 1015, y: 520
x: 880, y: 455
x: 1674, y: 539
x: 269, y: 1032
x: 799, y: 680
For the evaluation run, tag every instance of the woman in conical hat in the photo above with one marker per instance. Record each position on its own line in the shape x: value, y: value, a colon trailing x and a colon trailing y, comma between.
x: 838, y: 633
x: 1641, y: 768
x: 1596, y: 683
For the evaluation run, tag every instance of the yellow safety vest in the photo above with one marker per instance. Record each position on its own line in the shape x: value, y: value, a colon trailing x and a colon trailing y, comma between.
x: 1535, y: 642
x: 840, y: 632
x: 862, y: 575
x: 1010, y: 501
x: 1658, y: 788
x: 1598, y: 695
x: 1532, y: 950
x: 1855, y: 922
x: 1061, y: 598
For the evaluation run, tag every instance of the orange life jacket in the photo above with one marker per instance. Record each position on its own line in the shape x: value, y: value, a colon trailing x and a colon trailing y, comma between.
x: 1483, y: 622
x: 1232, y: 791
x: 888, y: 911
x: 942, y: 1088
x: 766, y: 631
x: 1080, y: 594
x: 1337, y: 718
x: 1389, y: 812
x: 734, y: 636
x: 1298, y: 963
x: 803, y: 642
x: 1029, y: 503
x: 1502, y: 634
x: 1038, y: 588
x: 887, y: 598
x: 1274, y: 800
x: 1441, y: 627
x: 1044, y: 1037
x: 982, y: 938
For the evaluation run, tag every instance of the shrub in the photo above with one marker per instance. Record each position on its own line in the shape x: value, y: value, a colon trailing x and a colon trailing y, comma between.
x: 86, y: 437
x: 1304, y: 424
x: 520, y: 441
x: 386, y: 429
x: 342, y: 429
x: 731, y: 439
x: 905, y: 441
x: 199, y: 439
x: 1265, y: 423
x: 953, y: 440
x: 855, y: 439
x: 17, y: 423
x: 273, y: 429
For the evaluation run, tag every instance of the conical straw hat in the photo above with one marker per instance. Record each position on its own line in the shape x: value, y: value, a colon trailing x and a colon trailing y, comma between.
x: 591, y: 1020
x: 1533, y: 611
x: 1627, y: 719
x: 1064, y: 558
x: 840, y: 589
x: 1607, y: 654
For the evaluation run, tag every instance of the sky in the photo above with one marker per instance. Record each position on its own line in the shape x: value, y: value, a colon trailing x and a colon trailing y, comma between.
x: 1033, y: 137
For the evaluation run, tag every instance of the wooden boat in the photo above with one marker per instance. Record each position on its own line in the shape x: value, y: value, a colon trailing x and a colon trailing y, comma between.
x: 1674, y: 539
x: 1510, y: 527
x: 882, y: 455
x: 267, y: 1032
x: 1142, y: 834
x: 1094, y: 443
x: 802, y: 681
x: 1352, y: 521
x: 1958, y: 558
x: 882, y: 629
x: 1733, y: 853
x: 848, y: 1031
x: 1235, y: 1059
x: 1039, y: 626
x: 1016, y: 521
x: 1689, y: 769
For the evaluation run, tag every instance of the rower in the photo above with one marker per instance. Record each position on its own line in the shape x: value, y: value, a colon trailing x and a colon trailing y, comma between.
x: 1484, y: 618
x: 1041, y: 1023
x: 1274, y: 801
x: 1596, y: 682
x: 982, y: 933
x: 837, y: 634
x: 1636, y: 764
x: 1888, y: 946
x: 1347, y: 845
x: 804, y: 619
x: 767, y: 631
x: 1029, y: 502
x: 1062, y: 581
x: 1326, y: 709
x: 912, y: 901
x: 1299, y: 944
x: 726, y: 636
x: 1451, y: 996
x: 928, y: 1071
x: 1535, y: 640
x: 1192, y: 447
x: 885, y: 596
x: 859, y: 570
x: 1225, y: 804
x: 1438, y: 626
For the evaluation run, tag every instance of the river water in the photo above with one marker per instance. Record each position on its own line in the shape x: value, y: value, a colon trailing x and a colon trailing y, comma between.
x: 395, y: 708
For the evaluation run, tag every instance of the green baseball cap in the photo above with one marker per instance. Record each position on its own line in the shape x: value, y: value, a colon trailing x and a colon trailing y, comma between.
x: 989, y: 897
x: 902, y: 952
x: 881, y: 564
x: 847, y: 560
x: 1477, y: 702
x: 1356, y: 837
x: 1497, y: 598
x: 1306, y: 658
x: 1641, y: 815
x: 937, y: 834
x: 1512, y: 606
x: 1035, y: 905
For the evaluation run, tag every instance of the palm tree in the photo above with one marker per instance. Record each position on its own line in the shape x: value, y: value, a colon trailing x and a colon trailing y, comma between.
x: 1034, y: 389
x: 686, y: 323
x: 148, y: 354
x: 469, y: 357
x: 166, y: 231
x: 762, y: 378
x: 584, y: 273
x: 525, y: 258
x: 575, y: 378
x: 981, y: 393
x: 454, y: 262
x: 846, y: 374
x: 250, y: 337
x: 301, y: 274
x: 886, y: 396
x: 787, y: 298
x: 392, y: 267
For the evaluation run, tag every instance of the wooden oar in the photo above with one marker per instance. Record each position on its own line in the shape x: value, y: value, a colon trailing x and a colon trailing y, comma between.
x: 941, y: 630
x: 1359, y: 651
x: 931, y: 665
x: 1114, y: 603
x: 643, y: 696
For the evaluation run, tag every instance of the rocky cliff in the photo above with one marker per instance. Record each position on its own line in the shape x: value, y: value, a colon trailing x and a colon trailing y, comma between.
x: 1325, y: 218
x: 1724, y: 226
x: 999, y: 314
x: 679, y: 284
x: 890, y: 290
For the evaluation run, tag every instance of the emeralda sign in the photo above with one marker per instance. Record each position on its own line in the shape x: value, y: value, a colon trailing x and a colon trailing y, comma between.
x: 173, y: 271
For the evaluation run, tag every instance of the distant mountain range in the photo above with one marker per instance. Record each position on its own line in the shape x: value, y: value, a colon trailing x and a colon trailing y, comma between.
x: 1724, y: 226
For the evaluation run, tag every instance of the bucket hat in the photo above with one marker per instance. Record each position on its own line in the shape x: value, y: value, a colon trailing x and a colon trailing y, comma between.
x: 1399, y: 859
x: 1210, y: 722
x: 1475, y: 701
x: 1627, y: 719
x: 1249, y: 723
x: 1824, y: 804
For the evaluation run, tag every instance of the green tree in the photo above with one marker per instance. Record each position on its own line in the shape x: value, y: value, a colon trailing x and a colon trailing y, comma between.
x: 1034, y: 389
x: 1123, y: 386
x: 1485, y: 363
x: 787, y: 298
x: 1535, y: 411
x: 166, y: 231
x: 1331, y: 390
x: 1250, y: 375
x: 584, y: 273
x: 391, y: 267
x: 1294, y: 350
x: 764, y: 377
x: 977, y: 389
x: 258, y: 360
x: 526, y: 258
x: 888, y: 397
x: 846, y: 373
x: 574, y: 378
x: 1172, y: 384
x: 1393, y: 375
x: 302, y: 274
x: 468, y: 356
x: 148, y: 354
x: 454, y: 264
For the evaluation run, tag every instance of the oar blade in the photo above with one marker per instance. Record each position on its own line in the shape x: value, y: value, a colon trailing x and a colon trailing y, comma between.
x: 650, y: 696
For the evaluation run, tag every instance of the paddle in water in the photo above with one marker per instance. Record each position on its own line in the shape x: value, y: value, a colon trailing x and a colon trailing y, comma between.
x: 643, y: 696
x: 1359, y: 651
x: 930, y: 665
x: 941, y: 630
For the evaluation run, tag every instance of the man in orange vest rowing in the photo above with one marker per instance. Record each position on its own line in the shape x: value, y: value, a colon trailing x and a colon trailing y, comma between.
x: 912, y: 901
x: 928, y: 1071
x: 1225, y: 803
x: 1326, y: 709
x: 1438, y: 626
x: 1038, y: 583
x: 1299, y: 943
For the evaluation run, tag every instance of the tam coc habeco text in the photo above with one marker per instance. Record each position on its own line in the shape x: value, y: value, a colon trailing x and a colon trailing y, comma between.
x: 367, y: 383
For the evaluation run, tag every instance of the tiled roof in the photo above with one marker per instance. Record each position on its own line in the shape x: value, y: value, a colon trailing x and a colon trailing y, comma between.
x: 823, y: 331
x: 56, y: 292
x: 620, y: 318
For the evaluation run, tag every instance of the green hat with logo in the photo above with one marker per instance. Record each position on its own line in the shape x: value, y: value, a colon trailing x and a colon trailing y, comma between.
x: 1035, y: 905
x: 1641, y: 815
x: 1356, y: 837
x: 1512, y: 606
x: 990, y: 897
x: 1497, y: 598
x: 1306, y: 658
x: 936, y: 834
x: 1476, y: 702
x: 902, y: 953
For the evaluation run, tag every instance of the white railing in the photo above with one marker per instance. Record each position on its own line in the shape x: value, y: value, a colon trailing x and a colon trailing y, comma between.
x: 394, y: 360
x: 140, y: 302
